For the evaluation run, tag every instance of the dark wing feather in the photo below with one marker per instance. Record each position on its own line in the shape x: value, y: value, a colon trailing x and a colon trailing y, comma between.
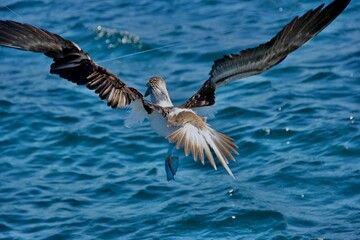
x: 70, y: 62
x: 256, y: 60
x: 205, y: 96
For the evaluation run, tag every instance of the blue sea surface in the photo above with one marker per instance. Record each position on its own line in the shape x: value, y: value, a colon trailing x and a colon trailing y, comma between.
x: 70, y: 169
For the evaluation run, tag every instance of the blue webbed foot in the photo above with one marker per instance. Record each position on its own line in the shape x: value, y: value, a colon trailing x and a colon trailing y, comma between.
x: 171, y: 166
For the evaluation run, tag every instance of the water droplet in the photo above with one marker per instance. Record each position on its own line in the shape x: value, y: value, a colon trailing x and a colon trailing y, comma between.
x: 233, y: 217
x: 302, y: 195
x: 267, y: 131
x: 281, y: 9
x: 124, y: 40
x: 287, y: 129
x: 112, y: 45
x: 351, y: 118
x: 231, y: 192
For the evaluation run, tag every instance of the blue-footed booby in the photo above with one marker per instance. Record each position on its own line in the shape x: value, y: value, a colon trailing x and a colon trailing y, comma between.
x: 180, y: 125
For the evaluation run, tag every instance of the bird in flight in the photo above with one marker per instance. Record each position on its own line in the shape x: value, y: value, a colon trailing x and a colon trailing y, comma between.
x: 181, y: 125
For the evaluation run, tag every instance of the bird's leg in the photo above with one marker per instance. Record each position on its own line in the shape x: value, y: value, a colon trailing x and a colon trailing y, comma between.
x: 171, y: 164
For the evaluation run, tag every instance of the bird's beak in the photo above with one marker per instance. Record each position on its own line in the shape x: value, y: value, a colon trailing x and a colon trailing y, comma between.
x: 148, y: 91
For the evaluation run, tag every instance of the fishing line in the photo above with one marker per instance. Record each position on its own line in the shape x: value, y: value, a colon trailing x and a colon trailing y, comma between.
x: 154, y: 49
x: 141, y: 52
x: 12, y: 11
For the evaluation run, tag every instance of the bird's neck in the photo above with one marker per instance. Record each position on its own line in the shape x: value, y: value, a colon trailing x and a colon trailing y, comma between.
x: 162, y: 100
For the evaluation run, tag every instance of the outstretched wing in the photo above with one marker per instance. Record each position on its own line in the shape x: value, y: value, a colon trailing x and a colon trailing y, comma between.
x: 256, y: 60
x: 70, y: 62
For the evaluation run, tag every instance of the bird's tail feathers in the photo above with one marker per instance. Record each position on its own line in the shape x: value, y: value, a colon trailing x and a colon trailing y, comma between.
x: 200, y: 142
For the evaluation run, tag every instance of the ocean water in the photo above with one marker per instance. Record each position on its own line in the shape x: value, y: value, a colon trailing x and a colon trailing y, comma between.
x: 70, y: 169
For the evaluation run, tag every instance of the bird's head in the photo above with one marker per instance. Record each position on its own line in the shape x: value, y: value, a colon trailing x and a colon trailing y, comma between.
x: 158, y: 92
